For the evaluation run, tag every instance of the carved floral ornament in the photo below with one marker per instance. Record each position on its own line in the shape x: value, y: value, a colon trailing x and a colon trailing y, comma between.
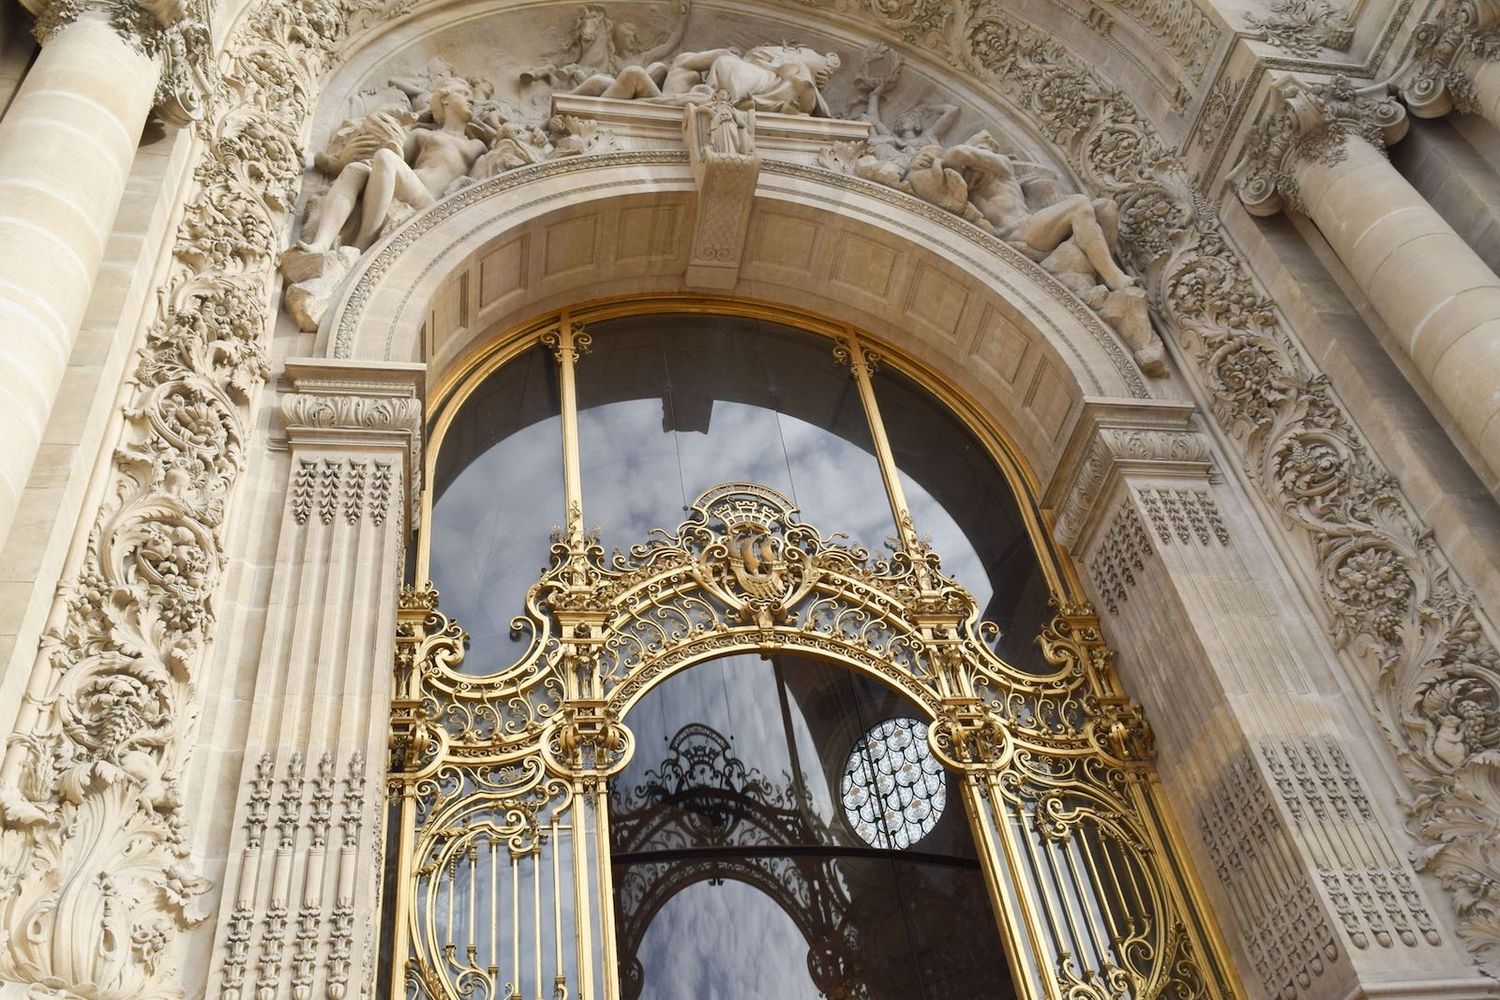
x: 1310, y: 123
x: 91, y: 777
x: 1436, y: 77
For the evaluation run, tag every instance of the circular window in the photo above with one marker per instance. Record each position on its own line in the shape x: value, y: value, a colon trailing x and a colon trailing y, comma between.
x: 894, y: 789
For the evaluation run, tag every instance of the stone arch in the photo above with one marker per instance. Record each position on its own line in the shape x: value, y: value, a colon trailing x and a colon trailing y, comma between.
x: 562, y: 233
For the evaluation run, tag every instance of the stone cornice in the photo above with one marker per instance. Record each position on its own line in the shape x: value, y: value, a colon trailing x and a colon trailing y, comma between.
x: 353, y: 403
x: 1306, y: 121
x: 1116, y: 437
x: 174, y: 33
x: 1437, y: 76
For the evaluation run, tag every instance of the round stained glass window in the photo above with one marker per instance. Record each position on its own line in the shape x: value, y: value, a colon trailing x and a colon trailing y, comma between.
x: 894, y: 789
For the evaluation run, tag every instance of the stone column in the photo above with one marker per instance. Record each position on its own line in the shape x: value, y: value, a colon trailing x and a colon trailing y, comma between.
x: 1454, y: 64
x: 1320, y: 148
x: 1266, y: 765
x: 301, y: 909
x: 66, y: 145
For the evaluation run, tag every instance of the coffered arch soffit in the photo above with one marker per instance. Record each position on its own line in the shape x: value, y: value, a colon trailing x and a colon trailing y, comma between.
x: 565, y: 232
x: 572, y: 231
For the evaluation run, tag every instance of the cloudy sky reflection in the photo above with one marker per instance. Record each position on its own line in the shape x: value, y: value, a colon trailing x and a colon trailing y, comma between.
x: 724, y: 942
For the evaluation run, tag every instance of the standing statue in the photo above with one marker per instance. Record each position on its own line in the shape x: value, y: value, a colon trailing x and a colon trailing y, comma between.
x: 728, y: 131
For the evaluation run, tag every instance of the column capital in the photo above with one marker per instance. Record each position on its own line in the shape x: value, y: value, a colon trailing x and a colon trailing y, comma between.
x: 1114, y: 438
x: 1437, y: 76
x: 346, y: 404
x: 1310, y: 122
x: 173, y: 33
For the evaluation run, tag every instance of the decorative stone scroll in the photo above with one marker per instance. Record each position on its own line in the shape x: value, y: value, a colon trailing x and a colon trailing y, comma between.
x: 97, y: 883
x: 1438, y: 75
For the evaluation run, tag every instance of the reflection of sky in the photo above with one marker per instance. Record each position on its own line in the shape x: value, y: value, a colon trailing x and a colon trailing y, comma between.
x: 491, y: 533
x: 669, y: 410
x: 737, y: 697
x: 724, y: 942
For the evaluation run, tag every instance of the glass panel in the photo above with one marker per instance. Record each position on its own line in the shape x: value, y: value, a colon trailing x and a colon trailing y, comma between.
x: 729, y: 840
x: 960, y: 499
x: 497, y: 494
x: 670, y: 406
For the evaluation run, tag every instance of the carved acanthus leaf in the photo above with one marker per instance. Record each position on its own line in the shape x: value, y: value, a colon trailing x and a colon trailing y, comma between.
x: 97, y: 883
x: 1306, y: 122
x: 175, y: 33
x: 1437, y: 76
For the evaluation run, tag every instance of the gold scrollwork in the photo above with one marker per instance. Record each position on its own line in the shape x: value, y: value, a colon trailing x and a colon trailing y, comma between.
x: 503, y: 777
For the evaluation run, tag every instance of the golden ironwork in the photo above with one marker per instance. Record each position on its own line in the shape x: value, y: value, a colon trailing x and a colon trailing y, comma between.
x: 502, y: 886
x: 1055, y: 766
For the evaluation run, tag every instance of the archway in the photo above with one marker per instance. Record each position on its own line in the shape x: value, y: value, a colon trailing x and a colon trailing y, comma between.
x: 1055, y: 764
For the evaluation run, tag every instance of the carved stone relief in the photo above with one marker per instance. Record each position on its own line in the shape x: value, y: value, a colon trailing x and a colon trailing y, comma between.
x: 1437, y: 75
x: 97, y: 882
x: 1310, y: 122
x: 1122, y: 554
x: 282, y: 932
x: 1304, y: 27
x: 1183, y: 516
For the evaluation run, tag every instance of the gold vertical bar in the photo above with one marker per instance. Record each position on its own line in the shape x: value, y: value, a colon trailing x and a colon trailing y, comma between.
x: 494, y: 954
x: 862, y: 361
x: 1010, y: 911
x: 568, y: 342
x: 583, y: 925
x: 557, y: 946
x: 1031, y: 906
x: 473, y: 852
x: 536, y: 916
x: 400, y: 944
x: 610, y: 974
x: 515, y: 923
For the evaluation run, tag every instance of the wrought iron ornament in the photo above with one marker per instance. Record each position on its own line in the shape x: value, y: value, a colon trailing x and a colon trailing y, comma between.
x: 504, y: 884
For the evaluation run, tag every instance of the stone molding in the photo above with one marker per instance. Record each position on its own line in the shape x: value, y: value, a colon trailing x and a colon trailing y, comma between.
x: 1310, y: 122
x: 177, y: 34
x: 1437, y: 75
x: 1113, y: 438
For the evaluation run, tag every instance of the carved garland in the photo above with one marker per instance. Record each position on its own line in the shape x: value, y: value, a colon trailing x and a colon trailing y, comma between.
x: 1390, y: 595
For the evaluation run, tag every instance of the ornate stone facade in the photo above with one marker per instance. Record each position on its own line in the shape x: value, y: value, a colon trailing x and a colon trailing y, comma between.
x: 1235, y: 459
